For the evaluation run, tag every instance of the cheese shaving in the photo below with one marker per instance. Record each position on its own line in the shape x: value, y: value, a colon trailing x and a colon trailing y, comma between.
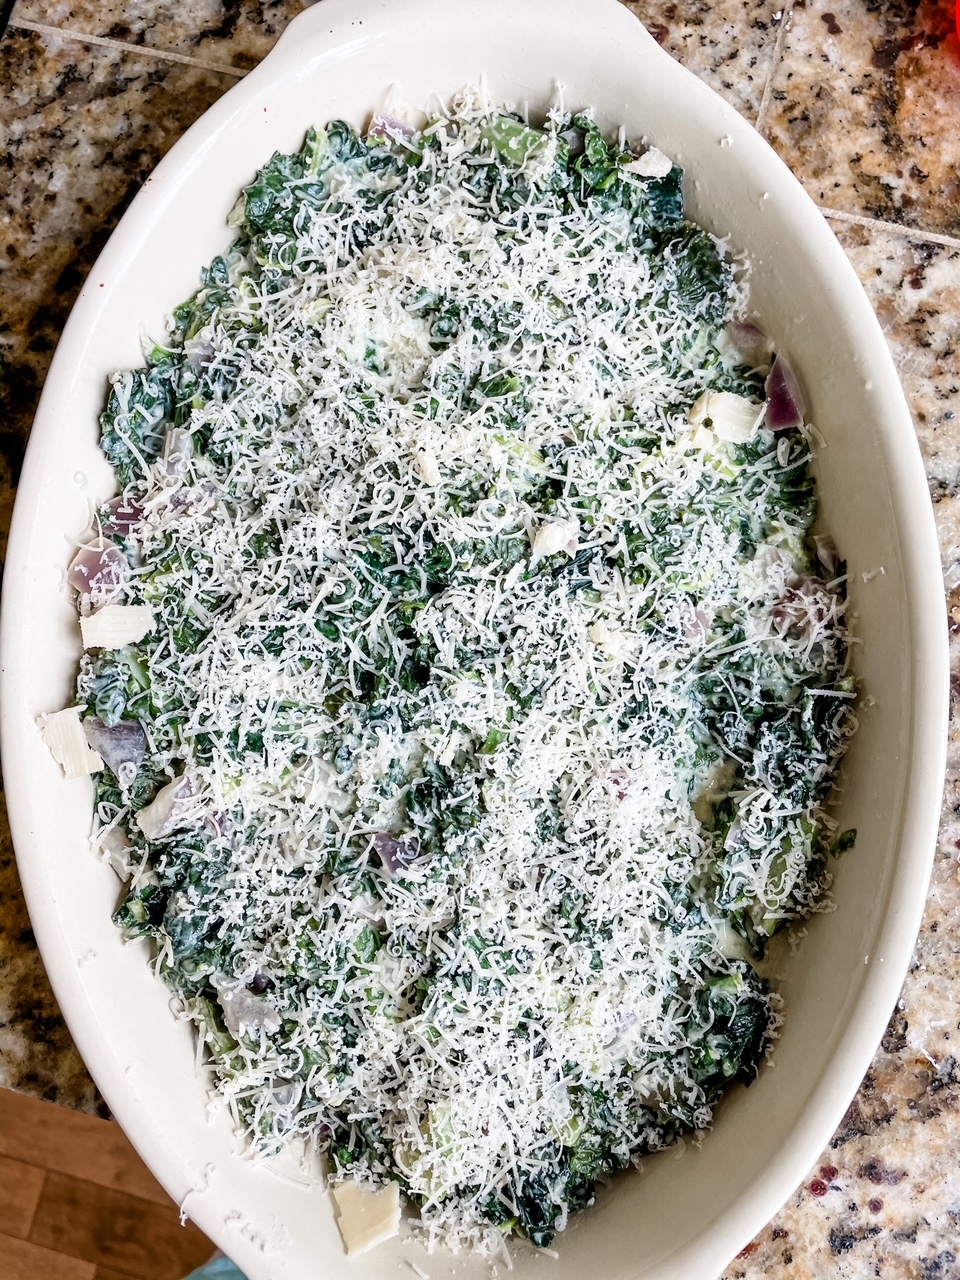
x: 65, y: 740
x: 115, y: 625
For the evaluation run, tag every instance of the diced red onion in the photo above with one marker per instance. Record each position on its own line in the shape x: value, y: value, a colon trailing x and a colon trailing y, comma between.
x: 198, y: 352
x: 167, y: 810
x: 218, y: 824
x: 177, y: 453
x: 243, y: 1011
x: 287, y: 1093
x: 197, y: 499
x: 697, y: 624
x: 785, y: 408
x: 97, y: 569
x: 396, y: 855
x: 801, y: 610
x: 574, y: 140
x: 384, y: 126
x: 621, y: 782
x: 117, y: 744
x: 750, y: 340
x: 745, y: 333
x: 123, y: 515
x: 827, y: 554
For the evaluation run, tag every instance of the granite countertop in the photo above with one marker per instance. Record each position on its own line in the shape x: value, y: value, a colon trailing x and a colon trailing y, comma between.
x: 862, y: 101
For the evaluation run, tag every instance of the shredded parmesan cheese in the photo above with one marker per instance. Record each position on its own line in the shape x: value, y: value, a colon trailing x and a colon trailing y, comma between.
x: 489, y: 709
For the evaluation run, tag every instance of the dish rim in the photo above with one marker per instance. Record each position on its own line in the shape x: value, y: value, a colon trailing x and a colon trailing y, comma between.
x: 304, y: 37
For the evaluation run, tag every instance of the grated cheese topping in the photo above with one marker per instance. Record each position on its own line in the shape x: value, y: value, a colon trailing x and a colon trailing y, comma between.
x: 492, y: 695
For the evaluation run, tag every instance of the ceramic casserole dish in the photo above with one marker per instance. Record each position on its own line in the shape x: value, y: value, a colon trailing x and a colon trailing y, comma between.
x: 687, y: 1214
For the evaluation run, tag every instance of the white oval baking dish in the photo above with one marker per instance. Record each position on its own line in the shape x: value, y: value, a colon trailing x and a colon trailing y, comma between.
x: 684, y: 1217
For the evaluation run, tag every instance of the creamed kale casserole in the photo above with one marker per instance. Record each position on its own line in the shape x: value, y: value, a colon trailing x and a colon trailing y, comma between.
x: 465, y: 679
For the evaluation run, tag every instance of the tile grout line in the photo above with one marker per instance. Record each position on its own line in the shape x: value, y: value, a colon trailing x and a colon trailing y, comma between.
x: 36, y: 1206
x: 891, y: 228
x: 101, y: 1187
x: 775, y: 62
x: 163, y: 55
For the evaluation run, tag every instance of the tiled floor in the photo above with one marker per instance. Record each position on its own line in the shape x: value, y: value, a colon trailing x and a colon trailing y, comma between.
x: 77, y: 1203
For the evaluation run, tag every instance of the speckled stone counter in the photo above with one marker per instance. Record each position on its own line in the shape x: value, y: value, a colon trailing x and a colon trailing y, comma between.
x: 862, y: 99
